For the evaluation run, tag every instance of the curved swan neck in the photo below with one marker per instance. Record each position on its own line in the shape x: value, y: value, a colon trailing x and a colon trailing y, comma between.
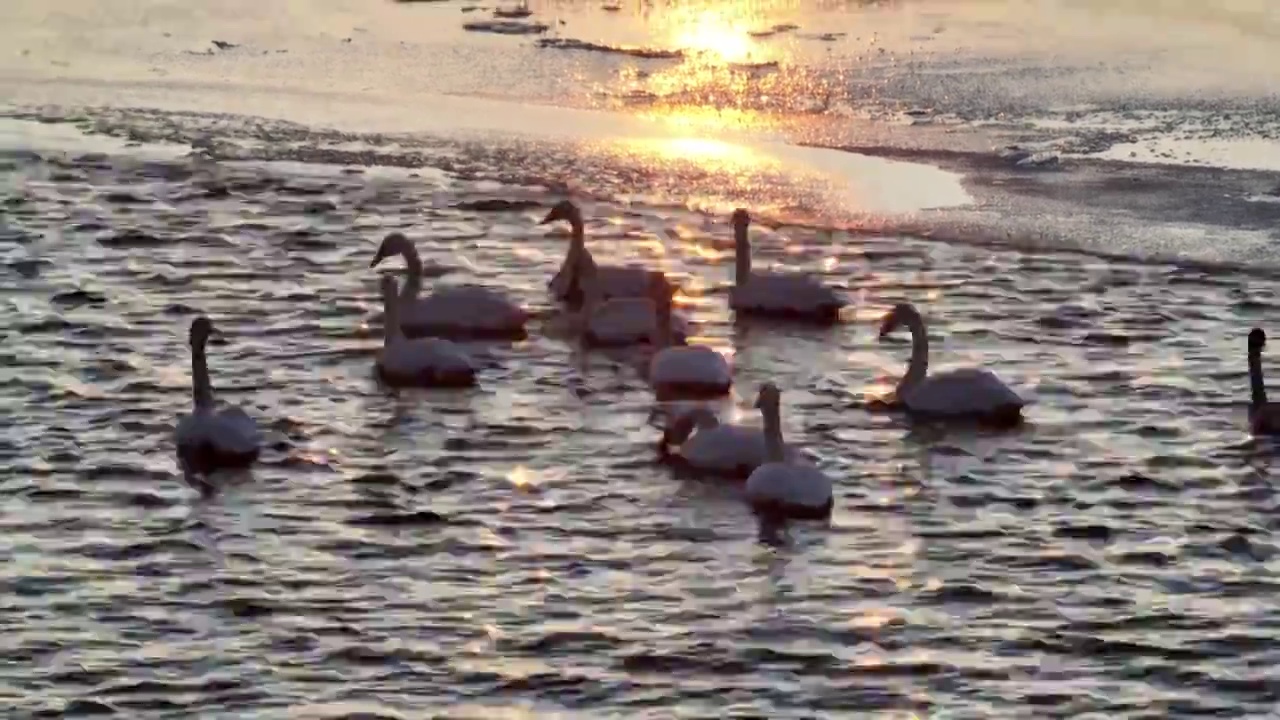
x: 413, y: 265
x: 918, y: 368
x: 742, y: 254
x: 1258, y: 389
x: 571, y: 266
x: 391, y: 332
x: 201, y: 387
x: 773, y: 445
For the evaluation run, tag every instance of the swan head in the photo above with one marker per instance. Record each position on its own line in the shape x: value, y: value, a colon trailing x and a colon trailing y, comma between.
x: 201, y: 330
x: 1257, y: 340
x: 740, y: 219
x: 393, y: 244
x: 563, y: 210
x: 896, y: 317
x: 769, y: 396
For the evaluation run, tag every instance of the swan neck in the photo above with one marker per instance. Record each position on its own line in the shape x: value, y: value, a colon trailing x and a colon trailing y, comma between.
x: 662, y: 318
x: 572, y: 265
x: 413, y: 266
x: 201, y: 386
x: 742, y: 255
x: 1257, y: 388
x: 391, y: 332
x: 772, y: 434
x: 918, y: 367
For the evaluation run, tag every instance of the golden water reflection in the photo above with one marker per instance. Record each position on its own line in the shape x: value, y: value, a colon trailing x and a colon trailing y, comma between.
x: 738, y: 66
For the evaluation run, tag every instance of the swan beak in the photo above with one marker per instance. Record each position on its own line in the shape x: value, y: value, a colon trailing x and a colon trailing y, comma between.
x: 551, y: 217
x: 377, y: 258
x: 216, y: 337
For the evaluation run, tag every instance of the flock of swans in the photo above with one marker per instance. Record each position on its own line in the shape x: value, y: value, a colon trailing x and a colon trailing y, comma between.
x: 630, y: 305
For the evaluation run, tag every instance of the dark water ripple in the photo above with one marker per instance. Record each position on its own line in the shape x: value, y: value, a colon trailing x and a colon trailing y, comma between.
x: 515, y: 546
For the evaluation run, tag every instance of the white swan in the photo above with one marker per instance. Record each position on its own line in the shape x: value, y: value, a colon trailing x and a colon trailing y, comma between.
x: 464, y: 311
x: 1264, y: 417
x: 620, y: 321
x: 724, y: 449
x: 425, y: 361
x: 782, y: 487
x: 616, y: 281
x: 684, y: 371
x: 795, y: 296
x: 967, y: 393
x: 209, y: 439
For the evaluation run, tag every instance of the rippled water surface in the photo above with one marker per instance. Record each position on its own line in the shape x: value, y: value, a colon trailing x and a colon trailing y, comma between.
x: 514, y: 550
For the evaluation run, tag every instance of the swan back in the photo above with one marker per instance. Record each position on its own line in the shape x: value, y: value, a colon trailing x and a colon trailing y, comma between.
x: 798, y: 294
x: 692, y: 364
x: 795, y: 484
x: 966, y: 391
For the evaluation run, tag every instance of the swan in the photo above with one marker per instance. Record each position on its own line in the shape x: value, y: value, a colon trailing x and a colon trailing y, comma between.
x: 683, y: 371
x: 621, y: 321
x: 779, y: 295
x: 467, y: 311
x: 1264, y: 417
x: 424, y: 361
x: 209, y: 439
x: 724, y: 449
x: 785, y: 487
x: 616, y: 281
x: 968, y: 393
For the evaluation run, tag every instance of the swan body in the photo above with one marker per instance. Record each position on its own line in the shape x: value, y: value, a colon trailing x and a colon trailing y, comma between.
x: 1264, y: 416
x: 688, y: 371
x: 779, y: 295
x: 616, y: 281
x: 462, y: 311
x: 785, y: 488
x: 211, y: 439
x: 968, y: 393
x: 625, y: 320
x: 423, y: 361
x: 706, y: 445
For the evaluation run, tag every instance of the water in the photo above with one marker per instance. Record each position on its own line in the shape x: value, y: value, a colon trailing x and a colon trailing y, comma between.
x: 515, y: 551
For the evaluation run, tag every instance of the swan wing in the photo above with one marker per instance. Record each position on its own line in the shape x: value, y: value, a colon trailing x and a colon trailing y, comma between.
x: 623, y: 320
x: 725, y: 448
x: 689, y: 364
x: 233, y: 431
x: 792, y: 483
x: 413, y: 357
x: 625, y: 280
x: 467, y: 306
x: 190, y: 430
x: 777, y: 291
x: 963, y: 391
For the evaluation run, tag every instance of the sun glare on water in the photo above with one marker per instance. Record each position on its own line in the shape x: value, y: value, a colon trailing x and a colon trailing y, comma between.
x: 714, y: 33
